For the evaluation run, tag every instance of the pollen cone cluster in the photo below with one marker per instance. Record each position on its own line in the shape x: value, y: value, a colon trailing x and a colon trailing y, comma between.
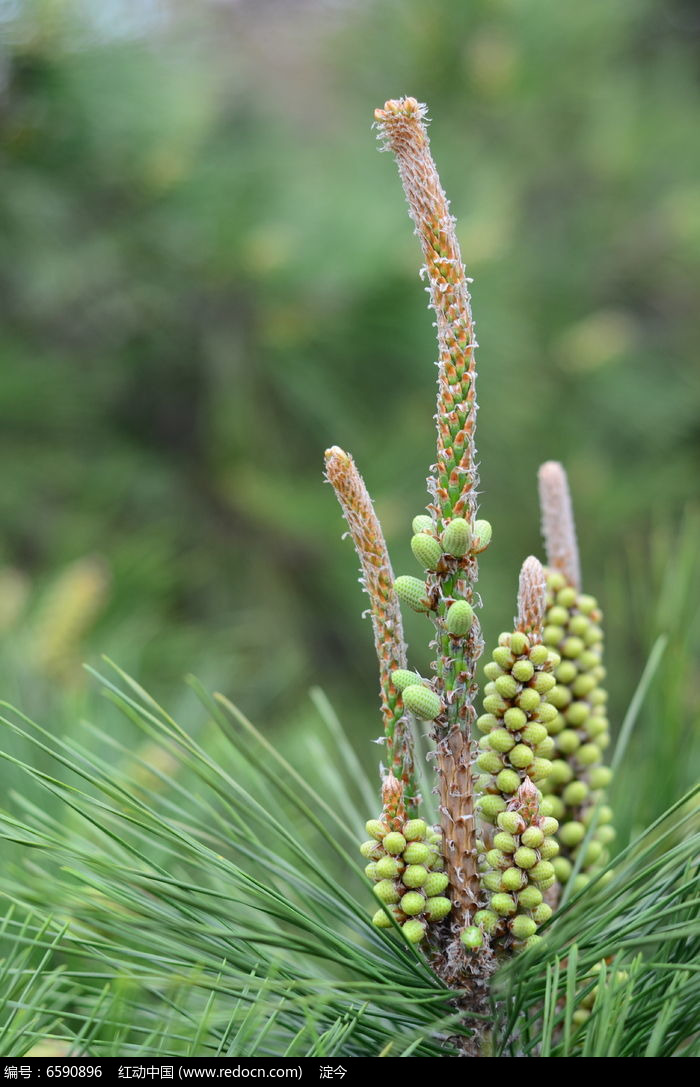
x: 452, y: 566
x: 516, y: 721
x: 405, y: 865
x: 443, y: 557
x: 573, y: 629
x: 580, y: 728
x: 445, y: 700
x: 516, y: 871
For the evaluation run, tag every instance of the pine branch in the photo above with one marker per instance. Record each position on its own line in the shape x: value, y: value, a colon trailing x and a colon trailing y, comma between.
x: 449, y: 594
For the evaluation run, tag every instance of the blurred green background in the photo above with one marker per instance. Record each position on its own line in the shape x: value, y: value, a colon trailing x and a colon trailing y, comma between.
x: 209, y: 276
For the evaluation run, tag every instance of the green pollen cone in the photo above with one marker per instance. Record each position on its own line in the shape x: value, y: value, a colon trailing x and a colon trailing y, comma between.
x: 472, y: 937
x: 402, y: 678
x: 423, y: 523
x: 413, y: 930
x: 426, y: 550
x: 573, y: 629
x: 459, y: 618
x: 482, y: 536
x: 411, y: 591
x: 456, y: 537
x: 437, y: 908
x: 422, y: 702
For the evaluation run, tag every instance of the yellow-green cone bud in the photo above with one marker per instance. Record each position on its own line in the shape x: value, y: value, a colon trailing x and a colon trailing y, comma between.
x: 371, y: 850
x: 525, y: 858
x: 386, y: 891
x: 530, y: 897
x: 414, y: 931
x: 496, y: 859
x: 402, y: 678
x: 588, y: 754
x: 414, y: 829
x: 426, y: 550
x: 512, y: 879
x: 472, y: 937
x: 490, y: 806
x: 416, y: 853
x: 455, y: 538
x: 415, y: 875
x: 533, y: 734
x: 544, y: 682
x: 412, y: 903
x: 532, y: 837
x: 394, y: 842
x: 376, y: 828
x: 561, y: 772
x: 508, y: 781
x: 600, y: 777
x: 539, y: 769
x: 511, y: 822
x: 387, y: 868
x: 542, y: 913
x: 435, y: 884
x: 547, y: 714
x: 490, y: 762
x: 578, y: 713
x: 506, y: 686
x: 523, y: 671
x: 592, y: 853
x: 522, y: 927
x: 538, y: 654
x: 380, y: 920
x: 568, y: 741
x: 492, y: 881
x: 575, y: 794
x: 551, y: 805
x: 572, y: 833
x: 481, y: 536
x: 459, y: 618
x: 605, y: 834
x: 437, y: 908
x: 514, y: 719
x: 411, y: 591
x: 521, y: 756
x: 487, y: 920
x: 541, y: 872
x: 422, y: 523
x: 519, y: 643
x: 529, y: 700
x: 503, y: 657
x: 501, y: 740
x: 562, y: 869
x: 503, y: 904
x: 422, y: 702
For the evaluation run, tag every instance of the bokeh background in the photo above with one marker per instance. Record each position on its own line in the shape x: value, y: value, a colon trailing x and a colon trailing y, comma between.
x: 208, y: 276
